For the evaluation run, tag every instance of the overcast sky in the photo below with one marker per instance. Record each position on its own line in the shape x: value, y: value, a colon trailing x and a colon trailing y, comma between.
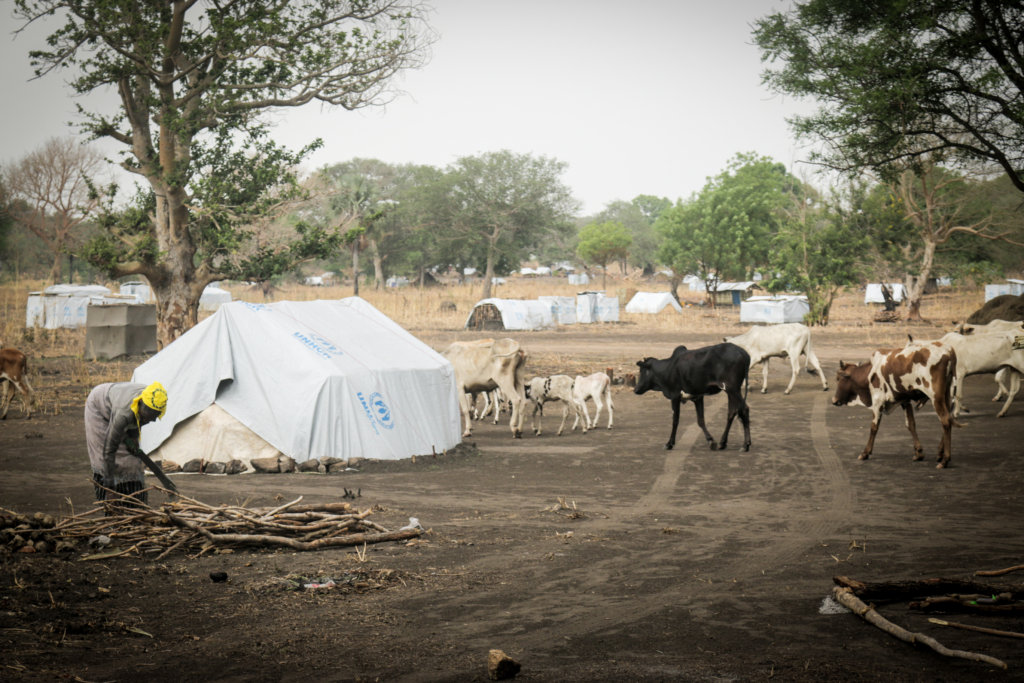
x: 642, y: 97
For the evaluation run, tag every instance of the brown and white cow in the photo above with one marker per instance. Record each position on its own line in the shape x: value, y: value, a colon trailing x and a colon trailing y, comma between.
x: 919, y: 372
x: 14, y: 378
x: 485, y: 365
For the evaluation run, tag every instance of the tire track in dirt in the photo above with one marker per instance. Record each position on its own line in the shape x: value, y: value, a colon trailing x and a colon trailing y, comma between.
x: 819, y: 520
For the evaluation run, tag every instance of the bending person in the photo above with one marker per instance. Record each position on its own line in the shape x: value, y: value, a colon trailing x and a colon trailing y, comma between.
x: 114, y: 415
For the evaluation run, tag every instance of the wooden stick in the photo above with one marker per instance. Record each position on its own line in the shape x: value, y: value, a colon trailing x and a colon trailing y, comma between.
x: 999, y: 572
x: 979, y: 629
x: 283, y: 507
x: 845, y: 597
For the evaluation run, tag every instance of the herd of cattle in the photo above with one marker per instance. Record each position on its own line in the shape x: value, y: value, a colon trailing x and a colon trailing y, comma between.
x: 920, y: 372
x: 907, y: 377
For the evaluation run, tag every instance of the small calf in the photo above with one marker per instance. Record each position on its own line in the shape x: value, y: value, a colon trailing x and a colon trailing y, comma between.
x: 597, y: 387
x: 541, y: 390
x: 14, y: 372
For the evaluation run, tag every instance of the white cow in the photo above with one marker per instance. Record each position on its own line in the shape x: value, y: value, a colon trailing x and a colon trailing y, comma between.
x: 981, y: 353
x: 485, y: 365
x: 1008, y: 380
x: 541, y: 390
x: 787, y: 339
x: 597, y: 387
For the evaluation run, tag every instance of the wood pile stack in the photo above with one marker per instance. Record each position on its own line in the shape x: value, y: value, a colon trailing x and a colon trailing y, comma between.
x: 189, y: 525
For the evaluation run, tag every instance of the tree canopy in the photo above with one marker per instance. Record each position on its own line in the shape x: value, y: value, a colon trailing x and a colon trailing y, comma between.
x: 193, y: 82
x: 900, y: 81
x: 602, y: 243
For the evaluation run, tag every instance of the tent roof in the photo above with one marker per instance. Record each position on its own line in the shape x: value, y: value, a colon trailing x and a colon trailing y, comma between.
x: 314, y: 378
x: 651, y: 302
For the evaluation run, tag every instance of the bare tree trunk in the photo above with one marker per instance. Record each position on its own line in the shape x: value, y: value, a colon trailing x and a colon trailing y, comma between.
x: 55, y: 268
x: 915, y: 285
x: 378, y: 265
x: 355, y: 267
x: 488, y: 274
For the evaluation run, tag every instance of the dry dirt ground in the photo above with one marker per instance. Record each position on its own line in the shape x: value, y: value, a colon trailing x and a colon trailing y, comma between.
x: 683, y: 565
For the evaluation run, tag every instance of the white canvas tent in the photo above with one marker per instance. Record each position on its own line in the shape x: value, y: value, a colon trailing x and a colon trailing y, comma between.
x: 512, y: 314
x: 311, y: 379
x: 651, y: 302
x: 774, y: 309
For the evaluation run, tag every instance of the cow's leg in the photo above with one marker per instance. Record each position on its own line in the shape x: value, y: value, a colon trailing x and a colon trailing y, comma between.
x: 5, y: 402
x: 1012, y: 377
x: 737, y: 406
x: 794, y: 364
x: 764, y: 375
x: 598, y: 405
x: 876, y: 419
x: 698, y: 404
x: 812, y: 360
x: 958, y: 393
x: 675, y: 424
x: 565, y: 414
x: 608, y: 397
x: 26, y: 397
x: 538, y: 407
x: 586, y: 417
x: 908, y: 409
x: 943, y: 412
x: 465, y: 409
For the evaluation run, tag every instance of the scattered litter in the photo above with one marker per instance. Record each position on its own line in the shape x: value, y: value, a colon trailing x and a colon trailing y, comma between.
x: 316, y: 584
x: 414, y: 523
x: 830, y: 606
x: 100, y: 541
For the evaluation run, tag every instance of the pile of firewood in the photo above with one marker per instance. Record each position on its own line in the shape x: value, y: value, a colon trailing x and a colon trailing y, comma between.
x: 191, y: 526
x: 936, y: 595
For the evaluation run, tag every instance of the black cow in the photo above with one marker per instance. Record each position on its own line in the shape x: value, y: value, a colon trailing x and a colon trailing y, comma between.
x: 691, y: 375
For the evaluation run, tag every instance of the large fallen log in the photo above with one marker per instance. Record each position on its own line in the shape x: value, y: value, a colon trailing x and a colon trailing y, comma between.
x: 845, y: 597
x: 903, y: 591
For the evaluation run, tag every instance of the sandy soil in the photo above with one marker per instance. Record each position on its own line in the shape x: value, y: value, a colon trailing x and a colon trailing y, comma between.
x: 683, y: 565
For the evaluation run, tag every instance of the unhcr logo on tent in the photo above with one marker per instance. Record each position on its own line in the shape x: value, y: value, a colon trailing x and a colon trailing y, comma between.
x: 377, y: 411
x: 318, y: 345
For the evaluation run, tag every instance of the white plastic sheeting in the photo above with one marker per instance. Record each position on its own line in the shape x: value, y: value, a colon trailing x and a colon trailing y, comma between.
x: 873, y: 293
x: 1015, y: 287
x: 61, y: 305
x: 520, y: 314
x: 651, y: 302
x: 312, y: 379
x: 595, y: 307
x: 774, y: 309
x: 565, y: 308
x: 213, y: 297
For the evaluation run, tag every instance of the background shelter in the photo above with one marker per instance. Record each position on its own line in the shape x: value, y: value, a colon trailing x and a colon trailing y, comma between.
x: 313, y: 379
x: 774, y: 309
x: 512, y: 314
x: 652, y: 302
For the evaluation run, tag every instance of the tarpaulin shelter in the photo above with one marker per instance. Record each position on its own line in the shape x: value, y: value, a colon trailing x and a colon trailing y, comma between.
x: 774, y: 309
x: 652, y: 302
x: 311, y: 379
x: 873, y: 292
x: 512, y: 314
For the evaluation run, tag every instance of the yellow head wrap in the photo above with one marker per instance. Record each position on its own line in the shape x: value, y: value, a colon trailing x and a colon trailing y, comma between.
x: 154, y: 396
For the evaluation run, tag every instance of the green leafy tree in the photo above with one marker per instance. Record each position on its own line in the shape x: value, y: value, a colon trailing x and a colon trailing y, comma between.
x: 503, y: 203
x: 903, y: 81
x: 643, y: 249
x: 725, y: 231
x: 816, y: 251
x: 193, y: 81
x: 602, y: 243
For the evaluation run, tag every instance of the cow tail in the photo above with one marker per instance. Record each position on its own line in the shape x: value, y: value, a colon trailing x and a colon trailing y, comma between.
x: 746, y: 383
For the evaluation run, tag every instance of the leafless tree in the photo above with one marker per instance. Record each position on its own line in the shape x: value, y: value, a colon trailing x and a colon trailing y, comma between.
x: 50, y: 194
